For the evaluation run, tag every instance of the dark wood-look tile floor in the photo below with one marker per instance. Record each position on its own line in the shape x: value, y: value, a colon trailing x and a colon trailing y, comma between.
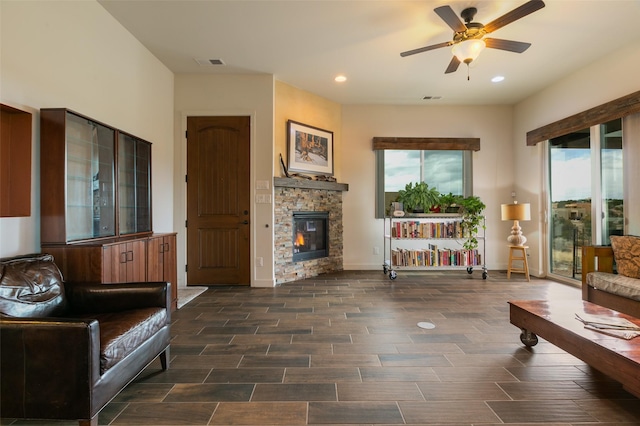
x: 345, y: 348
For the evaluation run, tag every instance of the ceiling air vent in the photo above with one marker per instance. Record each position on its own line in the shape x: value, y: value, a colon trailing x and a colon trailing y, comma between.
x: 430, y: 98
x: 209, y: 62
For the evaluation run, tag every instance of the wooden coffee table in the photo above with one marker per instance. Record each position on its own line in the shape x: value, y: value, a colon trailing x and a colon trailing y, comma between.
x: 555, y: 322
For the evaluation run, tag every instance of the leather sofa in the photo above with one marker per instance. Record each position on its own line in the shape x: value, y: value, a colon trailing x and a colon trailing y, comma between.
x: 68, y: 349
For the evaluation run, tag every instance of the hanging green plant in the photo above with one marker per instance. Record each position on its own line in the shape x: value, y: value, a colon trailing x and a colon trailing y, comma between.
x: 472, y: 220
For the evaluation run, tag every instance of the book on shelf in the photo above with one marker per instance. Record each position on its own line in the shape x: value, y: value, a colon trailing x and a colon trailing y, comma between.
x: 426, y: 230
x: 434, y: 256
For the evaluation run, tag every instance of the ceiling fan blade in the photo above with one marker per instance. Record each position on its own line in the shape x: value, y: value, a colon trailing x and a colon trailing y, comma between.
x: 449, y: 16
x: 426, y: 48
x: 510, y: 45
x: 453, y: 65
x: 515, y: 14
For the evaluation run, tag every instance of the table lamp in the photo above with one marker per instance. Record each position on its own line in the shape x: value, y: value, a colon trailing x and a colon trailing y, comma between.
x: 516, y: 212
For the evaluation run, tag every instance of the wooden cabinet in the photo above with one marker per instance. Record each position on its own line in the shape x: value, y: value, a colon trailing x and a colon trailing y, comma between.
x: 95, y: 180
x: 152, y: 258
x: 161, y: 262
x: 125, y: 262
x: 109, y: 261
x: 95, y: 203
x: 15, y: 162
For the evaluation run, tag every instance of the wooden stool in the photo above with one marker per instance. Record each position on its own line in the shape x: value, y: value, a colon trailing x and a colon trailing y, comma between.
x: 520, y: 255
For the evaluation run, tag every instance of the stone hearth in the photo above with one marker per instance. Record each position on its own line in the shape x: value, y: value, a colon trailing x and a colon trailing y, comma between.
x: 292, y: 195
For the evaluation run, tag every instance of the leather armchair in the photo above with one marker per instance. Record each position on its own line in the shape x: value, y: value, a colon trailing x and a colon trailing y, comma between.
x: 68, y: 349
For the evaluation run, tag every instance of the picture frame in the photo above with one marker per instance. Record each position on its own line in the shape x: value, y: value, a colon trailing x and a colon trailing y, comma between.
x: 309, y: 149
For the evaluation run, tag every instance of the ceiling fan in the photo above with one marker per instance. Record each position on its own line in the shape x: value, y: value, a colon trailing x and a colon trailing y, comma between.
x: 468, y: 37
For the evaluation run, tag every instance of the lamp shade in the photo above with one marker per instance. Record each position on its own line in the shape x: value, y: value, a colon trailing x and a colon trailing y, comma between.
x: 468, y: 50
x: 516, y: 211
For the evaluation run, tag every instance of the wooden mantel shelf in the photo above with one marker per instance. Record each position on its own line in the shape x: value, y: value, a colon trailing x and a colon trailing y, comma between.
x: 309, y: 184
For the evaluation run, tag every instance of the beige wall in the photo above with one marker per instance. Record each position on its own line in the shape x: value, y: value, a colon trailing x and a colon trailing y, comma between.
x: 492, y: 172
x: 75, y: 55
x: 304, y: 107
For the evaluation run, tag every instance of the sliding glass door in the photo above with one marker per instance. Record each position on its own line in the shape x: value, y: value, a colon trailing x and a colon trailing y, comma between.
x: 585, y: 187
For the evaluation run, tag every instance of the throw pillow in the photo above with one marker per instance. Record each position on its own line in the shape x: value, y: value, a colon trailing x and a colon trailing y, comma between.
x: 626, y: 252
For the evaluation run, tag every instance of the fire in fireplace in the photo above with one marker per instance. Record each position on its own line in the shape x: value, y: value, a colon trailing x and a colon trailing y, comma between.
x: 310, y: 235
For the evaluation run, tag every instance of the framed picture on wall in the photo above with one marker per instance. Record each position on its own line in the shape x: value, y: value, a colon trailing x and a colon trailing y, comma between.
x: 310, y: 149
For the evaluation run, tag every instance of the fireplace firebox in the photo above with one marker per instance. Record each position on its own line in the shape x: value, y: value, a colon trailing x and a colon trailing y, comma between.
x: 310, y: 235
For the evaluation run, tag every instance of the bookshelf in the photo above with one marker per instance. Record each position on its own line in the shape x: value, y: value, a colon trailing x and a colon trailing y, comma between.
x: 429, y: 242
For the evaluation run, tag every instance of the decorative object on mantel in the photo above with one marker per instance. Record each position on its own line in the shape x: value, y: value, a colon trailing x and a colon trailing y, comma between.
x: 324, y: 178
x: 310, y: 149
x: 284, y: 167
x: 300, y: 176
x: 292, y: 175
x: 516, y: 212
x: 319, y: 178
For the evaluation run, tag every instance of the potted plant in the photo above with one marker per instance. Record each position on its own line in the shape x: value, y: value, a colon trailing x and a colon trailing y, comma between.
x: 418, y: 197
x: 450, y: 203
x: 472, y: 218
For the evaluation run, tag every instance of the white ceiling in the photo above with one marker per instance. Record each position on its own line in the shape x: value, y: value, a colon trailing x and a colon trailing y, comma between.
x: 306, y: 43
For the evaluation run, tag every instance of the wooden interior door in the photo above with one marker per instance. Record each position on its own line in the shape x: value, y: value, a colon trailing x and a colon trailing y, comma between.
x: 218, y: 200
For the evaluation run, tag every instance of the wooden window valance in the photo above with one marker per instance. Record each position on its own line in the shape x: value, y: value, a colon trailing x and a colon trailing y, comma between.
x: 617, y: 108
x: 425, y: 144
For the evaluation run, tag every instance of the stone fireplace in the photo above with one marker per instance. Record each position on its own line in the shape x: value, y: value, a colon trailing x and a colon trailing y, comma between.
x: 310, y: 235
x: 308, y: 197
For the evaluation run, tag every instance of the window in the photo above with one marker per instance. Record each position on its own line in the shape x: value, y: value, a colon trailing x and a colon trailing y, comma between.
x: 613, y: 208
x: 449, y: 171
x: 586, y: 193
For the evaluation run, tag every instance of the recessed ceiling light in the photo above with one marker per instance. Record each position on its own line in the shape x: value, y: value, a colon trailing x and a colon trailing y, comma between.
x: 340, y: 79
x: 497, y: 79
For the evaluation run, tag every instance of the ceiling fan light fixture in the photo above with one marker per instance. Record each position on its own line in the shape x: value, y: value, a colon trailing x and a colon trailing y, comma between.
x: 468, y: 50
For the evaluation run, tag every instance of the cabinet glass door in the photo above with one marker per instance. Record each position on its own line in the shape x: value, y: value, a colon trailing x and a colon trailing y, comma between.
x: 90, y: 197
x: 134, y: 174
